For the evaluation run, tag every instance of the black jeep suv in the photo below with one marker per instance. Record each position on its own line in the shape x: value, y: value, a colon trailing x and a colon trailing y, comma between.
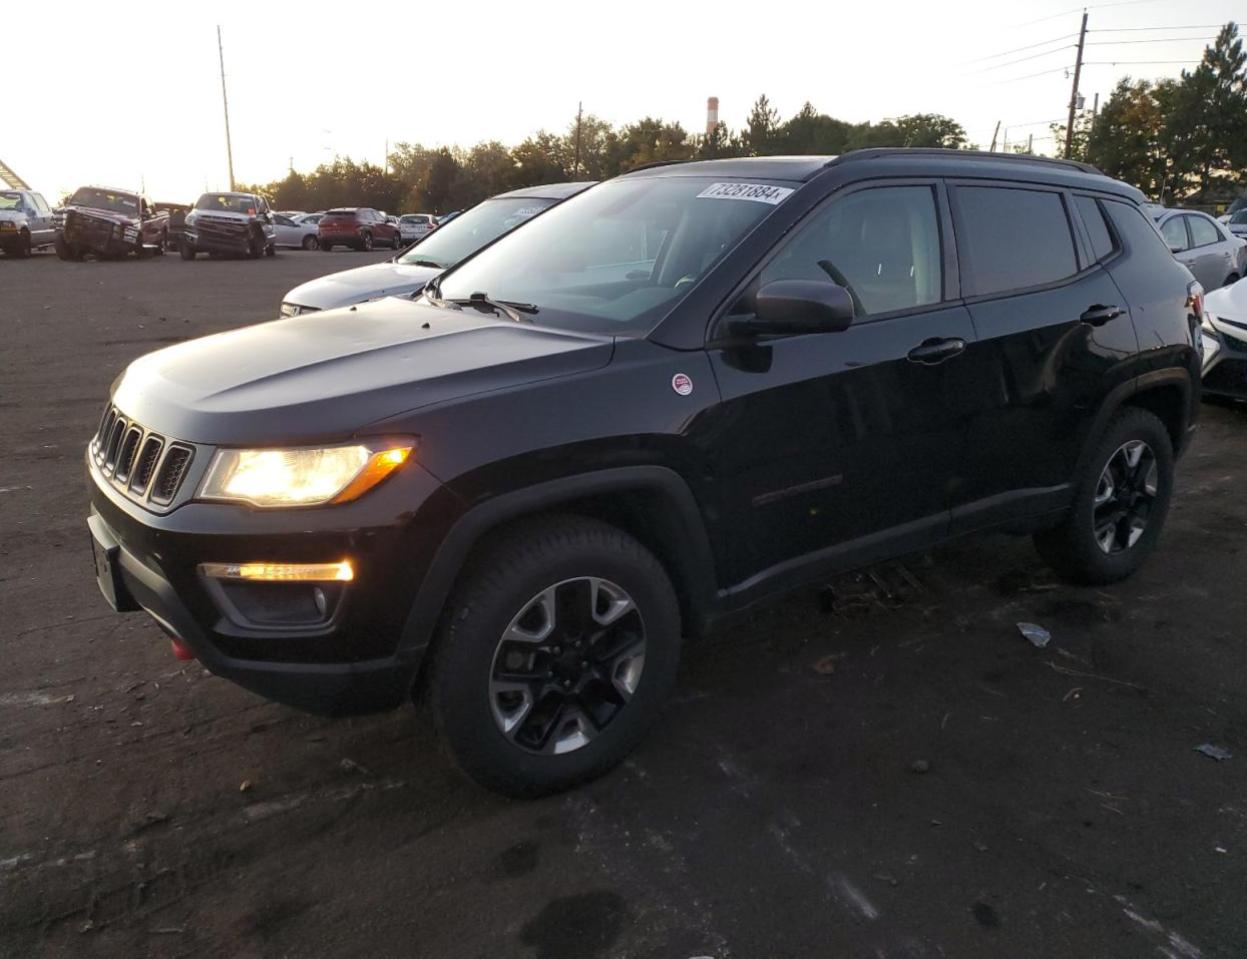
x: 662, y: 402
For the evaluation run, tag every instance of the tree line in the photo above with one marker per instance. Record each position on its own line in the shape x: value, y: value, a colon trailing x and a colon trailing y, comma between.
x: 441, y: 179
x: 1178, y: 140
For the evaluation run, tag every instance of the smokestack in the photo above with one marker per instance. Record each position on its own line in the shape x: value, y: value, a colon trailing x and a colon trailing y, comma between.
x: 712, y: 114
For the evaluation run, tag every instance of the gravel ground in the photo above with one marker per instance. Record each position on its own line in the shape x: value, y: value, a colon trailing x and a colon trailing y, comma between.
x: 885, y: 770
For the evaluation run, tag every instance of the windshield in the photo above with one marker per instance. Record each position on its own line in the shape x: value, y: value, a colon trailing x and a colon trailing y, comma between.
x: 1239, y: 217
x: 480, y: 226
x: 616, y: 258
x: 10, y: 201
x: 227, y: 203
x: 106, y: 200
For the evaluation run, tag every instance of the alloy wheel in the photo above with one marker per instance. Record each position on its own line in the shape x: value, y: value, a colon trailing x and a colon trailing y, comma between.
x: 566, y: 665
x: 1124, y: 496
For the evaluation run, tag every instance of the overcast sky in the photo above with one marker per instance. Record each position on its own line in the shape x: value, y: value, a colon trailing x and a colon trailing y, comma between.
x: 129, y: 94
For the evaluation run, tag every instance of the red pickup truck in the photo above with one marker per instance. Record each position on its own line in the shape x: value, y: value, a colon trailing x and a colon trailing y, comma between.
x: 109, y: 223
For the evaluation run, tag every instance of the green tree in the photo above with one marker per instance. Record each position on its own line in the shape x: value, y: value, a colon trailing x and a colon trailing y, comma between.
x: 1126, y: 139
x: 652, y: 140
x: 759, y: 138
x: 809, y: 132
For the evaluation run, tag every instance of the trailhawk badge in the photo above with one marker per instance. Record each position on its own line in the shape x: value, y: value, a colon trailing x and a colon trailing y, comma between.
x: 682, y: 384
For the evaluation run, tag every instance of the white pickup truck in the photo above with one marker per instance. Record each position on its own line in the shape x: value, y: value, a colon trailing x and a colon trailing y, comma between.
x: 26, y: 222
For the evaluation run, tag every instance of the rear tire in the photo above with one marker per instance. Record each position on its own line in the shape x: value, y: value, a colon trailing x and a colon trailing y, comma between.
x: 270, y: 250
x: 310, y: 242
x: 326, y: 246
x: 1119, y: 506
x: 365, y: 243
x: 1230, y: 280
x: 529, y: 606
x: 21, y: 249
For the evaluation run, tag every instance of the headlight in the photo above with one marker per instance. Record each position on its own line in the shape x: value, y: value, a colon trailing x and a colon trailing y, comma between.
x: 300, y: 477
x: 1206, y: 323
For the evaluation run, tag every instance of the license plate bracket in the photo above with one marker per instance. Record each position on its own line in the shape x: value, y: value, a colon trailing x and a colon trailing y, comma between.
x: 106, y: 555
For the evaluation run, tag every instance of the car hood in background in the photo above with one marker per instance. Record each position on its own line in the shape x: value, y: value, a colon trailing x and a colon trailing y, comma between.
x: 359, y: 284
x: 98, y: 214
x: 1228, y: 303
x: 325, y: 376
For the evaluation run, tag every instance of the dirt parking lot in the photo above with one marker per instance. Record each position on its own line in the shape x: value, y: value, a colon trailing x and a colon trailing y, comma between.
x: 887, y: 769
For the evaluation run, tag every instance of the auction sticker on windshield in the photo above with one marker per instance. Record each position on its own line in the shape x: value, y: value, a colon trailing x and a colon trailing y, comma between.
x: 759, y: 192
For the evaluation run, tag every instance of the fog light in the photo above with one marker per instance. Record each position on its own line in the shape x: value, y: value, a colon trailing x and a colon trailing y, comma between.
x: 341, y: 572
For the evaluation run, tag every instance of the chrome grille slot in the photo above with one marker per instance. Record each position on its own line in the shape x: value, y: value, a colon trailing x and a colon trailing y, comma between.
x: 145, y: 466
x: 128, y: 451
x: 170, y: 475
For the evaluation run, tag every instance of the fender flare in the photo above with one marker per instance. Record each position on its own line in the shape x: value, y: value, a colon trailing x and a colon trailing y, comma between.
x: 694, y: 561
x: 1121, y: 395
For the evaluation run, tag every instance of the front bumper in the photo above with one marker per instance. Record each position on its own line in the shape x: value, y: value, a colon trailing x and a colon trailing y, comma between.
x: 1225, y: 360
x: 357, y: 658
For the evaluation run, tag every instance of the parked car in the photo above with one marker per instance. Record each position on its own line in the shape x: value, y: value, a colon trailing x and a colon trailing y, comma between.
x: 26, y: 222
x: 1215, y: 256
x: 295, y: 234
x: 360, y: 228
x: 1224, y: 333
x: 232, y: 224
x: 447, y: 217
x: 312, y: 218
x: 416, y: 226
x: 177, y: 222
x: 664, y: 401
x: 109, y: 223
x: 407, y: 273
x: 1237, y: 223
x: 291, y: 214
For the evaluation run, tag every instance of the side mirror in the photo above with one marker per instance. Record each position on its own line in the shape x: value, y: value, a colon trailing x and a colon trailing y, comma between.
x: 1175, y: 249
x: 797, y: 307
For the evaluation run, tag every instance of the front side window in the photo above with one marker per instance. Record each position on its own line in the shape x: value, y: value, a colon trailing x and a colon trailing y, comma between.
x: 1012, y: 239
x: 882, y: 244
x: 618, y: 257
x: 1174, y: 232
x: 1203, y: 232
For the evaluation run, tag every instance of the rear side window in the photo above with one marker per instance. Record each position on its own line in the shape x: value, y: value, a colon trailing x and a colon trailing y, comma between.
x: 1093, y: 219
x: 883, y: 244
x: 1174, y: 232
x: 1203, y: 232
x: 1012, y: 239
x: 1136, y: 229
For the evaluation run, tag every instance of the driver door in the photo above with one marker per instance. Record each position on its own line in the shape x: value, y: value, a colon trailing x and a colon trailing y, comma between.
x: 842, y: 448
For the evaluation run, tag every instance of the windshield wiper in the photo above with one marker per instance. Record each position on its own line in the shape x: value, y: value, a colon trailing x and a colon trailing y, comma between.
x: 509, y: 309
x: 432, y: 263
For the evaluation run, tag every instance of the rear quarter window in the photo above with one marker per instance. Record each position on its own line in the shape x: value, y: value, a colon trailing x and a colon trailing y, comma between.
x: 1012, y: 238
x: 1093, y: 219
x: 1204, y: 232
x: 1136, y: 230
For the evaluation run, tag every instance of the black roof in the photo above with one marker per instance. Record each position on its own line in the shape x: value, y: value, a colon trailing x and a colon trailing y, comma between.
x: 901, y: 161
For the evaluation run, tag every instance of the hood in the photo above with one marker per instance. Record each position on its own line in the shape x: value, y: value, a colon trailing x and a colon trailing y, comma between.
x: 359, y: 284
x: 326, y: 376
x: 1228, y: 303
x: 233, y: 215
x: 112, y: 216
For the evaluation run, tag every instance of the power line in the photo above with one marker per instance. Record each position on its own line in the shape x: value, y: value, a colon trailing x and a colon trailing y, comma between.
x: 1188, y: 26
x: 1042, y: 73
x: 1093, y: 6
x: 1118, y: 43
x: 1033, y: 56
x: 1029, y: 46
x: 1123, y: 63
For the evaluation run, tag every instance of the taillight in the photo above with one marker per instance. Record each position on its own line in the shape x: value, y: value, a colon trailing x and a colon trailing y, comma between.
x: 1195, y: 299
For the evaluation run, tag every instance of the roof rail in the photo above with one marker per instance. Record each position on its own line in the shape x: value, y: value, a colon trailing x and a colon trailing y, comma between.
x: 870, y: 153
x: 655, y: 163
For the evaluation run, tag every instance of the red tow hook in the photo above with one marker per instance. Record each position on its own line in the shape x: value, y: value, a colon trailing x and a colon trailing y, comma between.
x: 180, y: 649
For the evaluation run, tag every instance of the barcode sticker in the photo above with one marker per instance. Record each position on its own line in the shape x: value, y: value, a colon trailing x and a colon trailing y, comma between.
x: 758, y: 192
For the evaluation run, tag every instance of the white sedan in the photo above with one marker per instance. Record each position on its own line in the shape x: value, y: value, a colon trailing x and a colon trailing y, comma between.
x: 299, y: 235
x: 416, y: 226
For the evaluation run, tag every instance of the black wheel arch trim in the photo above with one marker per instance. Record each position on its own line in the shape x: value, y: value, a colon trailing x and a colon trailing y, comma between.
x: 693, y: 560
x: 1124, y: 393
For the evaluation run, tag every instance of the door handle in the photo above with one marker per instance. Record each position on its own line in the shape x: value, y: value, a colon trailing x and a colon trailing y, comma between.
x: 937, y: 349
x: 1099, y: 315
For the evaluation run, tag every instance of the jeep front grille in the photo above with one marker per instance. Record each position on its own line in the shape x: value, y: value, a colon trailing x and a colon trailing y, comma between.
x: 145, y: 466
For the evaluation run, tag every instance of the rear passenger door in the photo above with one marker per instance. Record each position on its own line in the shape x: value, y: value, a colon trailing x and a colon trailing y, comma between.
x: 839, y: 448
x: 1212, y: 259
x: 1052, y: 330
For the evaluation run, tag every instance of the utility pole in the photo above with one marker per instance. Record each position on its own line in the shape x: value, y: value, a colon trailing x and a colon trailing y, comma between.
x: 229, y: 148
x: 1073, y: 96
x: 1030, y: 145
x: 579, y: 112
x: 386, y: 166
x: 995, y: 133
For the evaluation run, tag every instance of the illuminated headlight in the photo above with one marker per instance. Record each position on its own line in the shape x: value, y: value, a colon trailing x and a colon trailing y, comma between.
x: 289, y: 309
x: 300, y: 477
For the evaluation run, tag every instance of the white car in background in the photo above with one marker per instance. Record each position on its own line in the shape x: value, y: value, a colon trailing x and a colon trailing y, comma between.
x: 295, y: 234
x: 312, y: 218
x: 416, y: 226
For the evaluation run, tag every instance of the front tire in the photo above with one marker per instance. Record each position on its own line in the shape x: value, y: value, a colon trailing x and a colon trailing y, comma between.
x: 310, y: 242
x: 326, y: 246
x: 67, y: 251
x: 1120, y: 503
x: 365, y: 243
x: 555, y: 655
x: 187, y: 250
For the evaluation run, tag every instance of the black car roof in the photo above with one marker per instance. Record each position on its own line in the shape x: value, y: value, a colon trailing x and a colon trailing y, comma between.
x: 549, y: 191
x: 903, y: 161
